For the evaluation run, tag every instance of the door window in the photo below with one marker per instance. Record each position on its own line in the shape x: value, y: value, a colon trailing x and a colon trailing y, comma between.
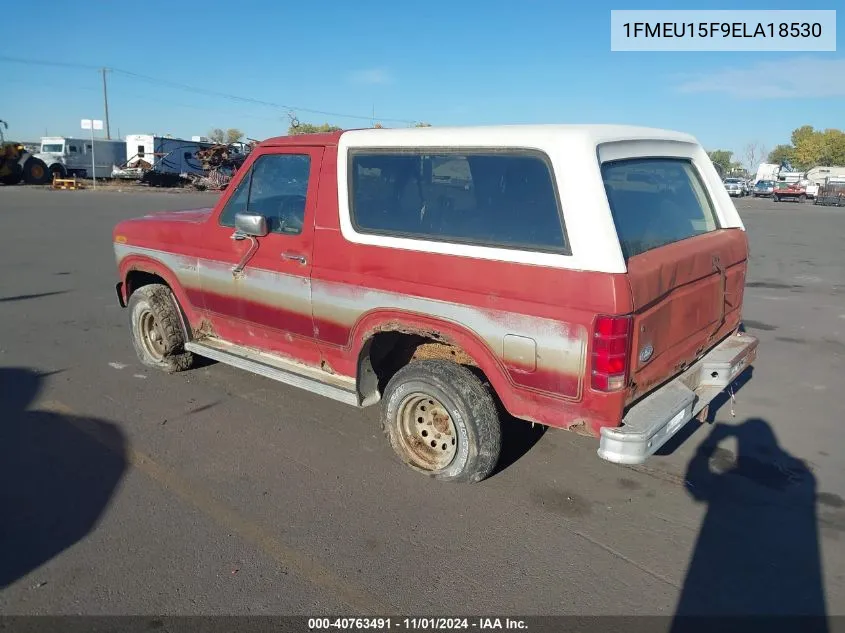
x: 275, y: 187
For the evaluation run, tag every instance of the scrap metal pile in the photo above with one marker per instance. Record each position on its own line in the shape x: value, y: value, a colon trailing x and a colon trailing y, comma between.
x: 220, y: 163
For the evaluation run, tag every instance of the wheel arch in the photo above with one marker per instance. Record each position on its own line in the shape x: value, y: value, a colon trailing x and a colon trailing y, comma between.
x: 385, y: 340
x: 137, y: 271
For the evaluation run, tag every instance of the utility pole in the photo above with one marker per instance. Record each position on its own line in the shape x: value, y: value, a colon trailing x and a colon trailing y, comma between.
x: 106, y: 103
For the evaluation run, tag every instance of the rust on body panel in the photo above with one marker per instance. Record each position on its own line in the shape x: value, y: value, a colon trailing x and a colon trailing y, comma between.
x: 443, y: 351
x: 686, y: 296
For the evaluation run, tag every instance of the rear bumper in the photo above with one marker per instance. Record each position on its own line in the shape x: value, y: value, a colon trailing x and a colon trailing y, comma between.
x: 653, y: 420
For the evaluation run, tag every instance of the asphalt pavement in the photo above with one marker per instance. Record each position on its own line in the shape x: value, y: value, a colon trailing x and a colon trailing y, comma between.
x: 126, y: 491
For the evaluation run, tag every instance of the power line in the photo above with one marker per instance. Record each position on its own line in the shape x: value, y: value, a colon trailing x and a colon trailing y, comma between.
x: 147, y: 98
x: 36, y: 62
x: 203, y: 91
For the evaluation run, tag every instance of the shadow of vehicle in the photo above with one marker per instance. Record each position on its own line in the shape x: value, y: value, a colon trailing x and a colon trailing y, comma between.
x: 518, y: 437
x: 57, y: 475
x: 757, y: 552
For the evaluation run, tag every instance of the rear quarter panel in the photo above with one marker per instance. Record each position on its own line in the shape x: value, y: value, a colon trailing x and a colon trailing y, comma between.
x: 526, y: 326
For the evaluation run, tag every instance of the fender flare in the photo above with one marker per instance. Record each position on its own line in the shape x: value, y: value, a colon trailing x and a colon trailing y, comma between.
x: 438, y: 329
x: 148, y: 264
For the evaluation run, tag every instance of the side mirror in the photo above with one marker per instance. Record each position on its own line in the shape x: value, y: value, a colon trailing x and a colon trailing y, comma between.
x: 250, y: 224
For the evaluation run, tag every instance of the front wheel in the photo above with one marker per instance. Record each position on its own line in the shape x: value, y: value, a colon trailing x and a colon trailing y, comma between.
x: 442, y: 421
x: 35, y: 172
x: 57, y: 171
x: 802, y: 198
x: 157, y: 333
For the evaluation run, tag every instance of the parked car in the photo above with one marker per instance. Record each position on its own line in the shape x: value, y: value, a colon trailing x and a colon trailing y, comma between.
x: 812, y: 190
x: 735, y: 187
x: 342, y: 264
x: 764, y: 188
x: 794, y: 191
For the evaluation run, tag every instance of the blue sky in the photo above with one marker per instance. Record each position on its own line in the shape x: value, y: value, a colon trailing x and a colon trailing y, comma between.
x: 445, y: 62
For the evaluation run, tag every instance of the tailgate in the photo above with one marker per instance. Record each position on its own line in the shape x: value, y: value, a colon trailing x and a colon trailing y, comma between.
x: 685, y: 267
x: 686, y: 297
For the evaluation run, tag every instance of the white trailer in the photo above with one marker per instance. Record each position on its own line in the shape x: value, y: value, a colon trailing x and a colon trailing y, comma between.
x: 790, y: 176
x: 821, y: 173
x: 165, y: 156
x: 767, y: 171
x: 67, y: 156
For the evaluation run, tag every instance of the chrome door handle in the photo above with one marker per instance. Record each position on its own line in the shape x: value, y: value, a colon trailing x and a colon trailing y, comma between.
x: 295, y: 257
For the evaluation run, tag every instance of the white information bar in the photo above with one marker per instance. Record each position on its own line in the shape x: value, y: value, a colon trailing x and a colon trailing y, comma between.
x: 676, y: 30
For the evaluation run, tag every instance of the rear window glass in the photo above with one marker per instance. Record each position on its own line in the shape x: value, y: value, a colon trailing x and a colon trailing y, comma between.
x: 656, y: 201
x: 502, y: 198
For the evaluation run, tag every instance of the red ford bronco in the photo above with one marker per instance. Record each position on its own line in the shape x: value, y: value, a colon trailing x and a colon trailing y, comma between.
x: 585, y: 277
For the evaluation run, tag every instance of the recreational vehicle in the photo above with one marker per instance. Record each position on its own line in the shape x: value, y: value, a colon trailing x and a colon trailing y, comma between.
x: 173, y: 157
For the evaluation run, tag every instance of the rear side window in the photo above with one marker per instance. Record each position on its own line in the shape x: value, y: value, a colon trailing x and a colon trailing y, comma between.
x: 501, y: 198
x: 656, y: 201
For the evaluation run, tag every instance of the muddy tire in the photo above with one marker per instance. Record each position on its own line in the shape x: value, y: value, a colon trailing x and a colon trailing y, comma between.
x: 157, y: 330
x: 442, y: 421
x: 35, y: 172
x: 57, y: 171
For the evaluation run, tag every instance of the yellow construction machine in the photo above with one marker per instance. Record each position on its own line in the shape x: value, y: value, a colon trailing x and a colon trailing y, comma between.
x: 17, y: 164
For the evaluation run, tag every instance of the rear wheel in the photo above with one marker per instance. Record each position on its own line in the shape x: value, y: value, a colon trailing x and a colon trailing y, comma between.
x: 35, y: 172
x: 802, y: 198
x: 157, y: 333
x: 776, y: 198
x: 442, y: 421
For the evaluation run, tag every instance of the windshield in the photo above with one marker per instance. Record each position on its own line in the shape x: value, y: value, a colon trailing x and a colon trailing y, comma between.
x: 764, y: 183
x: 733, y: 181
x: 52, y: 148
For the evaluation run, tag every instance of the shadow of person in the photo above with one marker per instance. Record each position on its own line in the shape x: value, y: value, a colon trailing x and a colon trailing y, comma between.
x: 57, y: 475
x: 757, y: 553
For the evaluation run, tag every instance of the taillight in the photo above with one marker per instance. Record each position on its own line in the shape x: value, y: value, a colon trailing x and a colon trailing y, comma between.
x: 611, y: 347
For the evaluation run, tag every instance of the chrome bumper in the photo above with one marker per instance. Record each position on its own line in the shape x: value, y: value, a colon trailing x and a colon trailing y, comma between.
x: 658, y: 416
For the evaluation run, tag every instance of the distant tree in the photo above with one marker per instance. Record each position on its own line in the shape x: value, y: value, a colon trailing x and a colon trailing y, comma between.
x: 802, y: 134
x: 754, y: 154
x: 781, y: 154
x: 310, y: 128
x: 807, y: 147
x: 422, y: 124
x: 833, y: 152
x: 232, y: 135
x: 378, y: 126
x: 722, y: 158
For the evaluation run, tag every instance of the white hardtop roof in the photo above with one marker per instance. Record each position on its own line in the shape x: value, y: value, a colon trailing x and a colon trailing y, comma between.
x: 509, y: 135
